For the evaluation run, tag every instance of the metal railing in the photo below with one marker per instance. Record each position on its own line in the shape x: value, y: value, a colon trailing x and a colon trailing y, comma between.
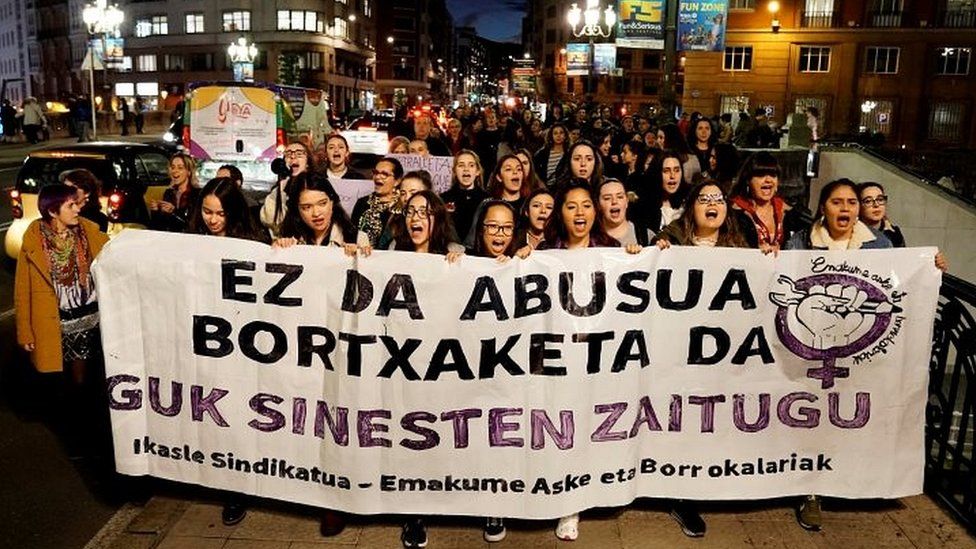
x: 951, y: 171
x: 951, y: 410
x: 819, y: 19
x: 885, y: 18
x: 965, y: 19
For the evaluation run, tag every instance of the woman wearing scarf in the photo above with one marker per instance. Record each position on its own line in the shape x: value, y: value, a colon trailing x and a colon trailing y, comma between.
x: 57, y: 309
x: 765, y: 219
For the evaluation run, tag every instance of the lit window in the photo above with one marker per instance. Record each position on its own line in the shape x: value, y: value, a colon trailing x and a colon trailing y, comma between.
x: 953, y: 61
x: 194, y: 23
x: 237, y: 21
x: 147, y: 63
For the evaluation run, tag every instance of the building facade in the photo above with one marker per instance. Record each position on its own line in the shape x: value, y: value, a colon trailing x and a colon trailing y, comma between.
x: 899, y: 68
x: 415, y: 53
x: 330, y: 43
x: 545, y: 36
x: 16, y: 26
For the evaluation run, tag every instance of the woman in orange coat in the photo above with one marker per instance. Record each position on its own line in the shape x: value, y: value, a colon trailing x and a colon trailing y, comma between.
x: 56, y: 305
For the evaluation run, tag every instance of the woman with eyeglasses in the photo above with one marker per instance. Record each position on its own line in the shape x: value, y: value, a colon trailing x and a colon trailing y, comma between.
x: 705, y: 221
x: 874, y: 212
x: 495, y: 237
x: 372, y: 212
x: 298, y: 159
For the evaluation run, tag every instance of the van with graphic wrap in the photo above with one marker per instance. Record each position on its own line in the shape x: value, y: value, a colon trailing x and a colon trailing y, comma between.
x: 248, y: 124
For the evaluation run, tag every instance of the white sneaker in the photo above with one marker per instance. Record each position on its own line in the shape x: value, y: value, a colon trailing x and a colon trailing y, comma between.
x: 568, y: 528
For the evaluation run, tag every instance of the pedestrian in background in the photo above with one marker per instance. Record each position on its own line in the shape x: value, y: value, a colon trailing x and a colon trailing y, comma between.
x: 122, y: 115
x: 8, y: 117
x: 138, y: 114
x: 33, y: 119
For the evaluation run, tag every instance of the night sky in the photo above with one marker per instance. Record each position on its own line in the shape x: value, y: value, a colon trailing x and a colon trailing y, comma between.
x: 499, y: 20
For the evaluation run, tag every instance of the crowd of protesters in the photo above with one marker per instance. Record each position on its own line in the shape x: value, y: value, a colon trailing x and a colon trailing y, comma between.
x: 520, y: 185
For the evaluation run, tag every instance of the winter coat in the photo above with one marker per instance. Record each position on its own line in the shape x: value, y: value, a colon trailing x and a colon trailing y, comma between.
x: 35, y: 302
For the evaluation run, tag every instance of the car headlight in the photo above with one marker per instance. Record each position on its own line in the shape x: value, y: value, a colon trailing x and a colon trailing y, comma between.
x: 169, y: 137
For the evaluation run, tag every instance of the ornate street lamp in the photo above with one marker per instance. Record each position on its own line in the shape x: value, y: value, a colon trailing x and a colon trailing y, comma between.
x: 242, y: 57
x: 101, y: 19
x: 592, y: 27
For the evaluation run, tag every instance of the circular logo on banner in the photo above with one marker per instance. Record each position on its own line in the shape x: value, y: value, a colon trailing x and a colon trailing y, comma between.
x: 826, y: 317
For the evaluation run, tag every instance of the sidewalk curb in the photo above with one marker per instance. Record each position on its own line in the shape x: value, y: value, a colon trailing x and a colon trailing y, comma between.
x: 135, y: 526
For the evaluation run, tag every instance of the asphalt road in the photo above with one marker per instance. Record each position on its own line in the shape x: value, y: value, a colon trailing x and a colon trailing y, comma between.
x: 8, y: 176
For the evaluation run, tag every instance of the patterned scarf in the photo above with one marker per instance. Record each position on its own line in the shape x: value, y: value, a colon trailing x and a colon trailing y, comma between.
x: 372, y: 220
x: 749, y: 207
x: 70, y: 259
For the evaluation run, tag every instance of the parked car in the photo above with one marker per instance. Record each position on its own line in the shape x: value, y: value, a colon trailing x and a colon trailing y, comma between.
x: 131, y: 174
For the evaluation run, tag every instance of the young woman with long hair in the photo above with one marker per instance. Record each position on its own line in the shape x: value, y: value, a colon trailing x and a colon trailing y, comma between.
x: 584, y: 163
x: 765, y: 219
x: 222, y: 210
x: 316, y: 217
x: 549, y: 159
x: 533, y: 218
x: 705, y: 221
x: 508, y: 181
x: 173, y: 212
x: 495, y: 232
x: 466, y: 192
x: 298, y: 159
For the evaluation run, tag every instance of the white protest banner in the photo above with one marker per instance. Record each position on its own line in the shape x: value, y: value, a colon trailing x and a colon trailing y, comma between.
x: 351, y: 190
x: 399, y: 383
x: 439, y: 167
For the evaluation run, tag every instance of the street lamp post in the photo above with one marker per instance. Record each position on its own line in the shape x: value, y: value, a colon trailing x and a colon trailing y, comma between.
x: 102, y: 19
x: 242, y: 57
x: 592, y: 27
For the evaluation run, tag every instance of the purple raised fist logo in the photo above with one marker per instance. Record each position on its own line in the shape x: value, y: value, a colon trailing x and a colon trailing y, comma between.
x: 826, y: 317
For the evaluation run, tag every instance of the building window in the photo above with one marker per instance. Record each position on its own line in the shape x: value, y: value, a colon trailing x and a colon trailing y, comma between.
x: 158, y: 25
x: 814, y: 59
x: 297, y: 20
x: 959, y: 14
x: 313, y: 60
x: 742, y: 4
x: 887, y: 13
x: 801, y: 104
x: 649, y: 86
x: 173, y: 62
x: 149, y: 26
x: 738, y: 58
x: 147, y: 63
x: 945, y: 121
x: 733, y: 104
x: 237, y: 21
x: 876, y: 116
x: 952, y: 61
x: 881, y: 60
x: 341, y: 28
x: 367, y: 8
x: 194, y: 23
x: 550, y: 36
x: 201, y: 62
x: 818, y: 14
x: 404, y: 23
x: 624, y: 60
x: 652, y: 60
